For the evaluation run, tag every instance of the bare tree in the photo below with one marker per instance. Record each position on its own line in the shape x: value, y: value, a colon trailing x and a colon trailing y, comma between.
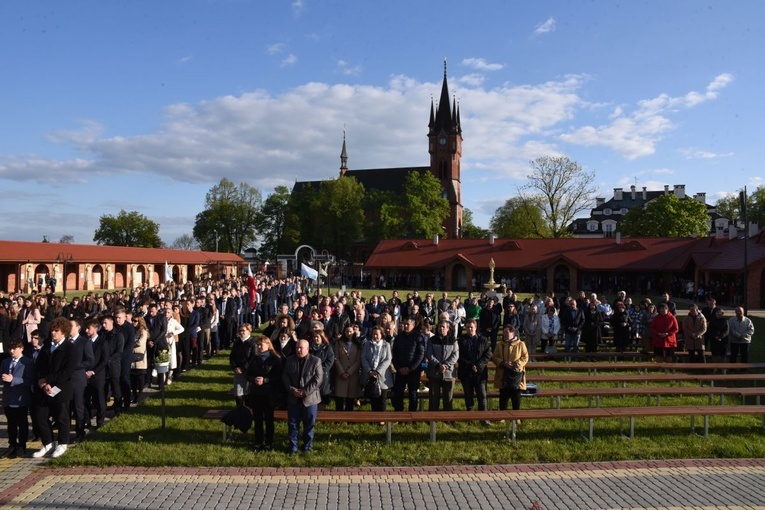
x: 562, y: 188
x: 66, y: 239
x: 185, y: 242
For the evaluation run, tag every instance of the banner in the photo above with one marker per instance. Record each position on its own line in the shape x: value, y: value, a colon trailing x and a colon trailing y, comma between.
x: 308, y: 272
x: 168, y: 273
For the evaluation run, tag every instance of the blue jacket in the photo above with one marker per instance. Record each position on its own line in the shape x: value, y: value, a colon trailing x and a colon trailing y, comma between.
x: 18, y: 393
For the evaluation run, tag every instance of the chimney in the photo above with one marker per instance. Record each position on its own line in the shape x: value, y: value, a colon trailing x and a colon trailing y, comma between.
x: 599, y: 201
x: 666, y: 190
x: 701, y: 197
x: 435, y: 239
x: 680, y: 191
x: 617, y: 193
x: 645, y: 193
x: 632, y: 189
x: 618, y: 237
x: 491, y: 238
x: 732, y: 232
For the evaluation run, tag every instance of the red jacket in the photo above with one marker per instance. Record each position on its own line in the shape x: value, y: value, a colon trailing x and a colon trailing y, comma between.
x: 664, y: 324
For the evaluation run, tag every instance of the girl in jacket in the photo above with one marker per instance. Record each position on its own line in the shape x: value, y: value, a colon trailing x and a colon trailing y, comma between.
x: 320, y: 347
x: 376, y: 358
x: 239, y: 359
x: 550, y: 328
x: 441, y: 354
x: 347, y: 368
x: 621, y: 322
x: 138, y: 368
x: 264, y: 375
x: 31, y: 319
x: 510, y: 354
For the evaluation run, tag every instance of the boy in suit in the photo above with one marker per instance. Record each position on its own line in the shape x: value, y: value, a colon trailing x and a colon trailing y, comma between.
x: 17, y: 396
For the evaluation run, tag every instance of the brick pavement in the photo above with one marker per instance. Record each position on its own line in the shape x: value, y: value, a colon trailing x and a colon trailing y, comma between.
x: 677, y: 484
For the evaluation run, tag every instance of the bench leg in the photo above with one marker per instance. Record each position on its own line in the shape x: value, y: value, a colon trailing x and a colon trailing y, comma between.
x: 597, y: 401
x: 514, y: 430
x: 592, y: 426
x: 632, y: 427
x: 706, y: 426
x: 693, y: 424
x: 432, y: 432
x: 388, y: 432
x: 658, y: 400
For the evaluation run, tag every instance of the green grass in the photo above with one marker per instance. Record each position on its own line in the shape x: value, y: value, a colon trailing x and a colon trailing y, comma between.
x: 136, y: 438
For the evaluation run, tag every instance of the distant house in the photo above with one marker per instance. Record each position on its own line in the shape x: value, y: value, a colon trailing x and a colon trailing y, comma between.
x: 94, y: 267
x: 445, y: 149
x: 642, y: 266
x: 605, y: 216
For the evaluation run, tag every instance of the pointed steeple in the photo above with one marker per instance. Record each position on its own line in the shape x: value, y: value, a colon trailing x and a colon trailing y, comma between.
x: 343, y: 157
x: 443, y: 113
x: 432, y: 115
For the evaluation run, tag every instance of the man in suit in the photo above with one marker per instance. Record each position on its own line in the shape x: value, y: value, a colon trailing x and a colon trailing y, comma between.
x: 157, y: 336
x: 302, y: 377
x: 82, y: 350
x: 53, y: 389
x: 95, y: 392
x: 17, y: 396
x: 116, y: 342
x: 227, y: 320
x: 124, y: 326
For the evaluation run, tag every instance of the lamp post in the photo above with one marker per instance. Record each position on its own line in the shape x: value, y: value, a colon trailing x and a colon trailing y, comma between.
x: 64, y: 258
x: 742, y: 197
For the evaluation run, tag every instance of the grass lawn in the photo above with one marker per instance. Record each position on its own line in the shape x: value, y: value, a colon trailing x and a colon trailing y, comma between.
x: 136, y: 439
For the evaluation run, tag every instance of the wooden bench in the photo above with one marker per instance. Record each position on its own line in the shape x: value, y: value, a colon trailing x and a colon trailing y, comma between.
x: 624, y: 379
x: 641, y: 366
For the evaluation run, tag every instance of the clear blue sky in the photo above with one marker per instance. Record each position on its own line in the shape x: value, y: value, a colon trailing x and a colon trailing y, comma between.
x: 145, y: 105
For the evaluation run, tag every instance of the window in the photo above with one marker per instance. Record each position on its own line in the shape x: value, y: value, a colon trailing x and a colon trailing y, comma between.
x: 606, y: 212
x: 624, y: 210
x: 609, y: 228
x: 592, y: 226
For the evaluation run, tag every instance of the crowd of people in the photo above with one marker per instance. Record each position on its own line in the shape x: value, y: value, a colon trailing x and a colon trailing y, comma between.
x: 294, y: 348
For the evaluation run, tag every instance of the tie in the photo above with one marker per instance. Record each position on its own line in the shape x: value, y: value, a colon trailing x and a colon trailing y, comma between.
x: 13, y: 366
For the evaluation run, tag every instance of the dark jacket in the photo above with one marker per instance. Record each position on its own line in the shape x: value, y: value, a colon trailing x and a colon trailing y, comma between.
x: 475, y: 351
x: 326, y: 354
x: 408, y: 351
x: 309, y: 380
x: 241, y: 354
x: 270, y: 370
x: 82, y: 350
x: 571, y: 319
x: 116, y: 343
x: 57, y: 369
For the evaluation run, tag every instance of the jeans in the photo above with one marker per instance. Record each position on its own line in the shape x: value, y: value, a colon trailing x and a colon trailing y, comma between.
x: 474, y: 387
x: 406, y: 383
x: 572, y: 342
x: 297, y: 414
x: 440, y: 390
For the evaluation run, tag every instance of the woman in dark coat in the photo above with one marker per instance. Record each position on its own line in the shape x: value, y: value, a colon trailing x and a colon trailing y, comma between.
x: 621, y: 322
x: 242, y: 351
x: 264, y: 374
x: 321, y: 348
x: 717, y: 335
x: 591, y: 331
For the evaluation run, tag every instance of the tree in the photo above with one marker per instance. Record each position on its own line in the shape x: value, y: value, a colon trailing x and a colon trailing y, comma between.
x: 185, y: 242
x: 424, y: 207
x: 469, y: 230
x: 729, y: 206
x: 383, y: 212
x: 273, y: 220
x: 338, y: 216
x: 517, y: 219
x: 128, y: 229
x: 666, y: 216
x: 230, y: 218
x: 66, y: 239
x: 756, y: 206
x: 563, y: 189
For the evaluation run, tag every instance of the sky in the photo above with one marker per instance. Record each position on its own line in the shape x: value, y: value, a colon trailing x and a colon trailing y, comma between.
x: 145, y: 105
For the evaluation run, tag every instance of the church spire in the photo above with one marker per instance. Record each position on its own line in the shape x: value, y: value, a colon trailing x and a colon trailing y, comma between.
x: 444, y: 120
x: 343, y: 157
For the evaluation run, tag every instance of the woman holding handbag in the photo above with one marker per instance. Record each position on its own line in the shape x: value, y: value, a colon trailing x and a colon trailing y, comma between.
x: 510, y: 357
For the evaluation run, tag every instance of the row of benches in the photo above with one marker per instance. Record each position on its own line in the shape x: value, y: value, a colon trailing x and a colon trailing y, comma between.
x: 510, y: 417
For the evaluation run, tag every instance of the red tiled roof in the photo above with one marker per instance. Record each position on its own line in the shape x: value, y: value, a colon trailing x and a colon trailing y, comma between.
x: 21, y: 251
x: 632, y: 254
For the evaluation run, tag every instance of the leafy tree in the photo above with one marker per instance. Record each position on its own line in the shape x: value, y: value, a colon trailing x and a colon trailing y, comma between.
x: 128, y: 229
x: 66, y: 239
x: 299, y: 226
x: 185, y: 242
x: 231, y: 215
x: 729, y: 206
x: 562, y: 188
x: 469, y: 230
x: 666, y: 216
x: 424, y: 207
x: 383, y: 211
x: 756, y: 206
x: 337, y: 208
x: 519, y: 219
x: 273, y: 222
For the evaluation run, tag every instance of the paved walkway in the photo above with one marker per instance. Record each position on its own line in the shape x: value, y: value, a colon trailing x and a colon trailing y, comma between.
x: 691, y: 484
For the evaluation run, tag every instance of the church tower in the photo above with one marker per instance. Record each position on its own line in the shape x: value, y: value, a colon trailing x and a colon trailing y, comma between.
x: 445, y: 148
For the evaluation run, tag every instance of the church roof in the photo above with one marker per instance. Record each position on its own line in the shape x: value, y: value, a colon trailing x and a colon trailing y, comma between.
x: 383, y: 179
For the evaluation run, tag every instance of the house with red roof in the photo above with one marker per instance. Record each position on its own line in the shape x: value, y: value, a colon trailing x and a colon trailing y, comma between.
x: 94, y: 267
x: 638, y: 265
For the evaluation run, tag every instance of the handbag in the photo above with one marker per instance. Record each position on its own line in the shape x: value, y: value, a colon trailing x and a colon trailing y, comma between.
x: 372, y: 388
x: 138, y: 356
x: 512, y: 378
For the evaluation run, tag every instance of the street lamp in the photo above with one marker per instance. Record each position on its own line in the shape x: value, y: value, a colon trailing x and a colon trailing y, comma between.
x: 64, y: 257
